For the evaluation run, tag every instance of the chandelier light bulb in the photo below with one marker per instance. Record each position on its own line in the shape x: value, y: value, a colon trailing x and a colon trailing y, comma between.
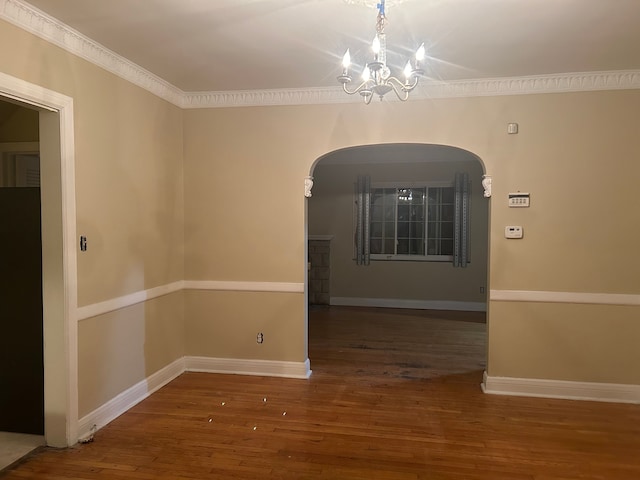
x: 408, y: 70
x: 420, y: 53
x: 366, y: 74
x: 346, y: 60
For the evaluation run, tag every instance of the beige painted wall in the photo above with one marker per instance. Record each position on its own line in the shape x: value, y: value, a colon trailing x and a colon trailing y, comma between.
x: 121, y: 348
x: 18, y: 124
x: 226, y: 324
x: 576, y: 154
x: 129, y: 204
x: 330, y: 212
x: 238, y: 213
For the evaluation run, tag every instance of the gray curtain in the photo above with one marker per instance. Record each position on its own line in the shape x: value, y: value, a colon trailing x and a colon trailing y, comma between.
x: 363, y: 202
x: 461, y: 226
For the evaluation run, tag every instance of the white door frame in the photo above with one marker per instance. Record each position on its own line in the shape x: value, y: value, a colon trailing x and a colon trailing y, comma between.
x: 59, y: 255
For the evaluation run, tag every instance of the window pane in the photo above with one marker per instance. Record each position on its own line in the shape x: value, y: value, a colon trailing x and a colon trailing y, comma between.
x: 375, y: 245
x: 447, y: 194
x: 389, y: 212
x: 403, y: 246
x: 447, y: 213
x: 403, y: 229
x: 417, y: 247
x: 433, y: 230
x: 389, y: 230
x: 446, y: 247
x: 417, y: 230
x: 418, y: 196
x: 417, y: 213
x: 431, y: 247
x: 376, y: 213
x: 447, y: 230
x: 389, y: 246
x: 403, y: 213
x: 376, y: 229
x: 405, y: 195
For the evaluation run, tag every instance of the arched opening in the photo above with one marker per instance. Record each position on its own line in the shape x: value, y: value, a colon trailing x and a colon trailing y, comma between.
x: 410, y: 286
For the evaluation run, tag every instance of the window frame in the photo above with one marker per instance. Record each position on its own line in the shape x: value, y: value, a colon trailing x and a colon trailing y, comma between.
x: 407, y: 257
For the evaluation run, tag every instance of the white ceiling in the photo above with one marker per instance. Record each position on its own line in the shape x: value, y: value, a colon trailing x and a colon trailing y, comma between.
x: 225, y: 45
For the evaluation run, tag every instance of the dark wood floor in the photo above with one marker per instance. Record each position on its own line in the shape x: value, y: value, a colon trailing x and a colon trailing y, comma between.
x: 394, y: 395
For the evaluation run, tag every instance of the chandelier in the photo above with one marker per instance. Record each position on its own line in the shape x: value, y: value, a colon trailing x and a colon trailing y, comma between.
x: 376, y: 76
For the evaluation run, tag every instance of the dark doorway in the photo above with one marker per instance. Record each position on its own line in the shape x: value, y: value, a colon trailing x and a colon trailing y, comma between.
x: 21, y: 342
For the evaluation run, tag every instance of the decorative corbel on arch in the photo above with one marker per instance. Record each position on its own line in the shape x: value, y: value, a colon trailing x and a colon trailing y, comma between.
x: 486, y: 184
x: 308, y: 185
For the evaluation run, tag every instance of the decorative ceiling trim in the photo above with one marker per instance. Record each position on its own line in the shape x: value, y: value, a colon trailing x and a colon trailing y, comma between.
x: 31, y: 19
x: 486, y: 87
x: 35, y: 21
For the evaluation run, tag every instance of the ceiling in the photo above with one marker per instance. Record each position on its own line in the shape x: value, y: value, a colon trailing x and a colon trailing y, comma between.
x: 227, y: 45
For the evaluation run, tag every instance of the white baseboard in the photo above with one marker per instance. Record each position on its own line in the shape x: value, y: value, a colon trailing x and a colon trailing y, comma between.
x: 115, y: 407
x: 530, y: 387
x: 118, y: 405
x: 267, y: 368
x: 410, y: 304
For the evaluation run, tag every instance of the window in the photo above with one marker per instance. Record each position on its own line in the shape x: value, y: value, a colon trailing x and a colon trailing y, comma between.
x: 412, y: 223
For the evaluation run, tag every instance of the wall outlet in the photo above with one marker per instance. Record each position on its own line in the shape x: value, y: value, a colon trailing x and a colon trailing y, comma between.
x: 513, y: 231
x: 260, y: 338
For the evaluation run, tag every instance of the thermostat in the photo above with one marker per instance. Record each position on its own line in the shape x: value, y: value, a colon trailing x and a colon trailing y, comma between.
x: 518, y: 199
x: 513, y: 231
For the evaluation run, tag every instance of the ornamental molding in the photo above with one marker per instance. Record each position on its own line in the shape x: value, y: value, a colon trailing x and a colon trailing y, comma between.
x: 486, y: 185
x: 34, y: 21
x: 485, y: 87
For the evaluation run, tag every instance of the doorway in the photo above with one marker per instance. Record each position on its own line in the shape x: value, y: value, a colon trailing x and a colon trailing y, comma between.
x: 426, y: 282
x: 22, y: 351
x: 58, y: 254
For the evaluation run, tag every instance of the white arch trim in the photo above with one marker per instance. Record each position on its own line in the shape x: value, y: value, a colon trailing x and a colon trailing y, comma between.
x: 60, y: 332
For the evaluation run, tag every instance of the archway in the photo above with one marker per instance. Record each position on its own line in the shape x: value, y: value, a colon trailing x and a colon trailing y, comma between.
x: 419, y: 278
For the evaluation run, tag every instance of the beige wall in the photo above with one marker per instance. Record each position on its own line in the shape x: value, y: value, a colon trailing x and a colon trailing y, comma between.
x: 239, y: 214
x: 129, y: 204
x: 18, y: 124
x: 575, y: 153
x: 330, y: 212
x: 121, y: 348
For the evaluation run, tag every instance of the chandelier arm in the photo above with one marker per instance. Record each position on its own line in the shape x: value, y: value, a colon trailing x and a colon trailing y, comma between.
x: 414, y: 84
x: 358, y: 89
x: 398, y: 88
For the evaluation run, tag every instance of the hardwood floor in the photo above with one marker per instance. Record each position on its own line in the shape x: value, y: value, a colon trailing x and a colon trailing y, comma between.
x: 393, y: 395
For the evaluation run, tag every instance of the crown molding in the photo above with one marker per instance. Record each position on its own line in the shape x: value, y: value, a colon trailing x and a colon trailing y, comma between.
x: 484, y: 87
x: 29, y: 18
x: 52, y: 30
